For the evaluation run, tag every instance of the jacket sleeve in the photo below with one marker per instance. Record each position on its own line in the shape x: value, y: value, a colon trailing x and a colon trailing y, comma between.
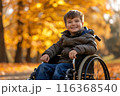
x: 87, y: 48
x: 54, y: 49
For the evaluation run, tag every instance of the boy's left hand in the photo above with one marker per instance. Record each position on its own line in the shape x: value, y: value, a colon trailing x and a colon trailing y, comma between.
x: 72, y: 54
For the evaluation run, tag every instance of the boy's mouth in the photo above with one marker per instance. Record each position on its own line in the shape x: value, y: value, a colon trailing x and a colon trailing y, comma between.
x: 73, y: 27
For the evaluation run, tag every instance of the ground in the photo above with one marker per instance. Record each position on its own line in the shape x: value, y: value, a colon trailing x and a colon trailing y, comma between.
x: 16, y: 70
x: 22, y: 71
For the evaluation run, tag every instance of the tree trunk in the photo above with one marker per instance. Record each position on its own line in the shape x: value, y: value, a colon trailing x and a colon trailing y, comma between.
x: 3, y: 55
x: 28, y: 58
x: 18, y: 56
x: 38, y: 57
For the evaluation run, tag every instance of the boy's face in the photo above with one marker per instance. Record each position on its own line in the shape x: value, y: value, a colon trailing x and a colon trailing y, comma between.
x: 73, y: 25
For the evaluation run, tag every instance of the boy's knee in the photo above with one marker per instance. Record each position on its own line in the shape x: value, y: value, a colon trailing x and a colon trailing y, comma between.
x: 42, y: 67
x: 59, y: 74
x: 59, y: 67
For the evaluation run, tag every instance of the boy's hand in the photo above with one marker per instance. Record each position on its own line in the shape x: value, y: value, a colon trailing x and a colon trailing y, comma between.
x: 45, y: 58
x: 72, y: 54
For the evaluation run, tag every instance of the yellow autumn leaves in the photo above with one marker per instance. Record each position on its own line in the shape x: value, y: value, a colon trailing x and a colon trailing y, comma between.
x: 42, y: 21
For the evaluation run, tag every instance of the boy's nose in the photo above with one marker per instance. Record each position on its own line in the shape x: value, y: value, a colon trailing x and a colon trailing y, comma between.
x: 73, y: 23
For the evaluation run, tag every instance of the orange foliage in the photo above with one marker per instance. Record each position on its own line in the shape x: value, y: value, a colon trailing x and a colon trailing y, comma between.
x: 12, y: 68
x: 114, y: 70
x: 43, y: 20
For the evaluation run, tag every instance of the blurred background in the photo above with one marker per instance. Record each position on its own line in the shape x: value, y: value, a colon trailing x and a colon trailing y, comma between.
x: 29, y: 27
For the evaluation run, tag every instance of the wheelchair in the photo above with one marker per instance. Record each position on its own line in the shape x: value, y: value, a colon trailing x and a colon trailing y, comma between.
x: 85, y: 67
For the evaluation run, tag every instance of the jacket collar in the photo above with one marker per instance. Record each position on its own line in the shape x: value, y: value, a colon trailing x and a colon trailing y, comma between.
x: 77, y: 33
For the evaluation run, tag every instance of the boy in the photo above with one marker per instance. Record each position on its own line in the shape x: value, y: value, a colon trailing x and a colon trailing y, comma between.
x: 73, y: 42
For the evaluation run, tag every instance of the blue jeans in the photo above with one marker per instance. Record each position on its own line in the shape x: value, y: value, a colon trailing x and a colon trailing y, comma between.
x: 46, y: 71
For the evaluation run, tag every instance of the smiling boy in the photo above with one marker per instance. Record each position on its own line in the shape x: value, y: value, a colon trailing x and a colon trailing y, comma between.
x: 76, y: 40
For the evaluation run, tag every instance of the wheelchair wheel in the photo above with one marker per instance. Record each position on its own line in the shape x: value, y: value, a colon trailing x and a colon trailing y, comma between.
x: 93, y: 67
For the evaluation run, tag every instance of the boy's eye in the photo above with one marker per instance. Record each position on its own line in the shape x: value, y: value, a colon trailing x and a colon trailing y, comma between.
x: 69, y: 22
x: 76, y: 20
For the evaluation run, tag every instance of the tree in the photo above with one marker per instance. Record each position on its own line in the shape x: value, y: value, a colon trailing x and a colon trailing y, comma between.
x: 113, y: 43
x: 45, y: 18
x: 28, y: 57
x: 3, y: 55
x: 18, y: 56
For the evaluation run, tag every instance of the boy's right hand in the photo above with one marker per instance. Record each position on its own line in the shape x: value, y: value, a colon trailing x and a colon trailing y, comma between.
x: 45, y: 58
